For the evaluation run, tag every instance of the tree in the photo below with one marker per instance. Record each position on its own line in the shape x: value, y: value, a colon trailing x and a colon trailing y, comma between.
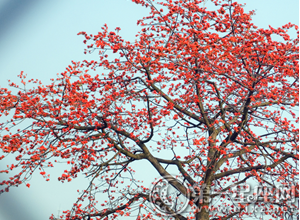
x: 205, y: 92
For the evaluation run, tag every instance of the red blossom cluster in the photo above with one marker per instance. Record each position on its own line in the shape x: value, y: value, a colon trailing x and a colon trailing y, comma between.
x: 206, y: 92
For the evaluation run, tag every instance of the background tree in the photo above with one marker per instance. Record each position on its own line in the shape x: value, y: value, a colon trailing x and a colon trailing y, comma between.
x: 206, y: 92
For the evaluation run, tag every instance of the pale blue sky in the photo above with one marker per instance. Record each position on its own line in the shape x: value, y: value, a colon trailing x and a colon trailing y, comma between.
x: 40, y: 38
